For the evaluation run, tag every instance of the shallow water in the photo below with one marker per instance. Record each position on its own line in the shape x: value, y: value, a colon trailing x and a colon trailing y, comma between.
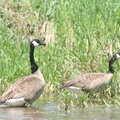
x: 51, y: 111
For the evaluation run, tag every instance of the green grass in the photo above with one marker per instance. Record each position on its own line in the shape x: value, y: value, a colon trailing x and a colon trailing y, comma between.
x: 87, y: 34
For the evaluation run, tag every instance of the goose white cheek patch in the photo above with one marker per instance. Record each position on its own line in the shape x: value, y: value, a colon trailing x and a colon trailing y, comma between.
x: 35, y: 43
x: 117, y: 56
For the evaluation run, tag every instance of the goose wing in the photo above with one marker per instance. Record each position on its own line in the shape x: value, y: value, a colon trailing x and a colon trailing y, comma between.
x: 87, y: 81
x: 25, y: 88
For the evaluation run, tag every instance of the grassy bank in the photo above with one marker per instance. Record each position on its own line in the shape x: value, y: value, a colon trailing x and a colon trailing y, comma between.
x: 81, y: 37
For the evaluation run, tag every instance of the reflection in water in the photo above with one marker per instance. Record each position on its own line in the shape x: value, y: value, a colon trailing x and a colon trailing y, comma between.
x: 19, y: 113
x: 50, y: 111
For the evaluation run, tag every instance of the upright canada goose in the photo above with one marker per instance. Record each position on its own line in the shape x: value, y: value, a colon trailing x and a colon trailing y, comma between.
x: 92, y: 82
x: 26, y: 90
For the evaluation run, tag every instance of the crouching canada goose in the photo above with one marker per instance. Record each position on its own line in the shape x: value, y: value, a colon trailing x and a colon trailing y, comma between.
x: 26, y: 90
x: 92, y: 82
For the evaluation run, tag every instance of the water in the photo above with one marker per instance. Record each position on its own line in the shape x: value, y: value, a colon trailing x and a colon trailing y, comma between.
x: 51, y: 111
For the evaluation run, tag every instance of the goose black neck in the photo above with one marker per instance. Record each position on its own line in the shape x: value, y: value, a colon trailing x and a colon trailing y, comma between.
x: 111, y: 62
x: 34, y: 66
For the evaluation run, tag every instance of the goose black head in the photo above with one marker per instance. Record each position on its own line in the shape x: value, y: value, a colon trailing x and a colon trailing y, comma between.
x: 36, y: 42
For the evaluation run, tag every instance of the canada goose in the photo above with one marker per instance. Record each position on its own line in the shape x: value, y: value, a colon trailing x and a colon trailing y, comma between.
x: 92, y: 82
x: 26, y: 90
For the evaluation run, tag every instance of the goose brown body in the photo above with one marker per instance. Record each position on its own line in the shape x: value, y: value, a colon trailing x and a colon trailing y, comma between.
x: 90, y: 82
x: 29, y: 88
